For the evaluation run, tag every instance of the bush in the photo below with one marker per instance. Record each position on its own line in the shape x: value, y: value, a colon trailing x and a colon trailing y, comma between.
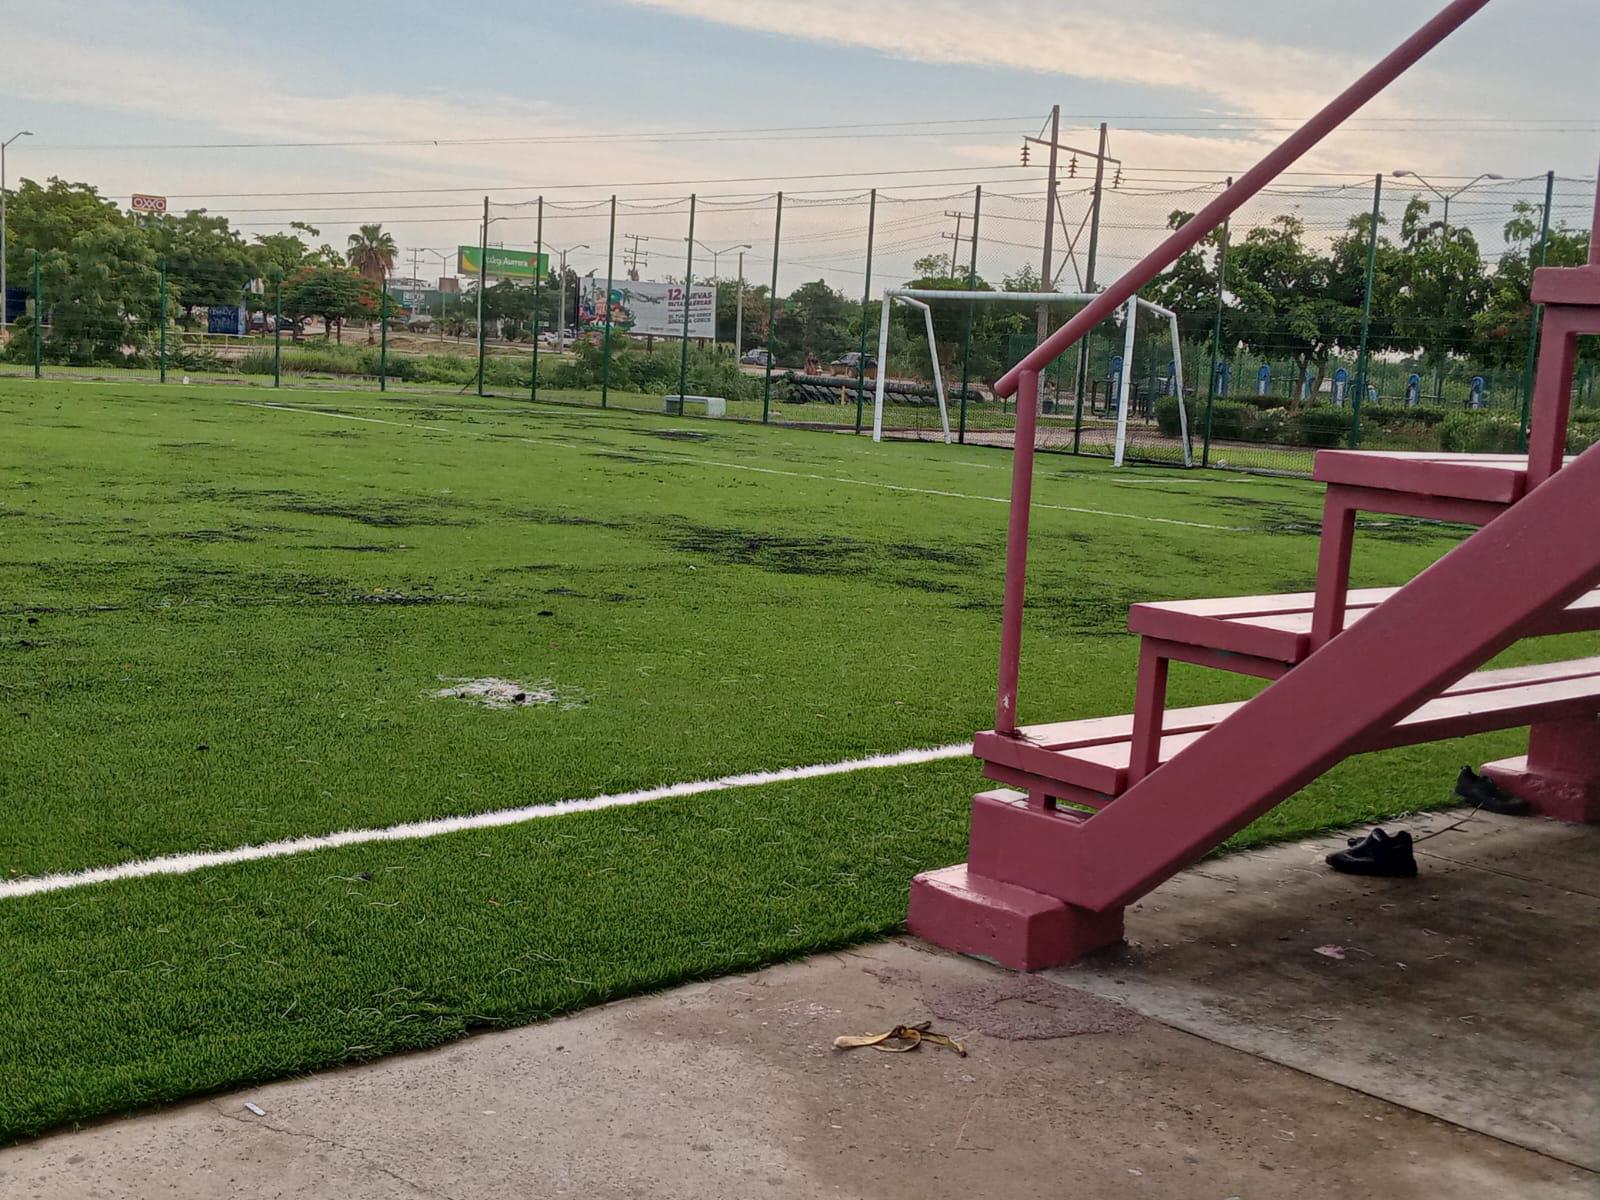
x: 1230, y: 419
x: 1397, y: 416
x: 1319, y: 427
x: 1482, y: 432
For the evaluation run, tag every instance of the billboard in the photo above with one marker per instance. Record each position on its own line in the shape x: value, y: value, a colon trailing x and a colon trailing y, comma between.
x: 504, y: 262
x: 654, y: 309
x: 143, y: 203
x: 227, y: 318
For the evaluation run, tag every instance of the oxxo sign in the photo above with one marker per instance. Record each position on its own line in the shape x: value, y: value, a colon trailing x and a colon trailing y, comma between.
x: 149, y: 204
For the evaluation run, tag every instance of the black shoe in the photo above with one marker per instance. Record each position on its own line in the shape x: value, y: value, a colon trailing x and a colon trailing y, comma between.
x: 1488, y: 795
x: 1379, y: 853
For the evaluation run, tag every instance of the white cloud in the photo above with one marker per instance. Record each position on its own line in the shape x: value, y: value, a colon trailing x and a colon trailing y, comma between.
x: 1081, y: 40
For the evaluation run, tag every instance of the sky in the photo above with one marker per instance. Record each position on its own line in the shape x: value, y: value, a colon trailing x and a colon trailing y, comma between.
x: 410, y: 113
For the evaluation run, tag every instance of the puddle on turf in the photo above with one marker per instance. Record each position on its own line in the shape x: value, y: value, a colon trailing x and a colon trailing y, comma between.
x: 506, y: 693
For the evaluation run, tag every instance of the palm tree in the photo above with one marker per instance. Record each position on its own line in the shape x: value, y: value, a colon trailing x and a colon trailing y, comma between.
x: 372, y: 252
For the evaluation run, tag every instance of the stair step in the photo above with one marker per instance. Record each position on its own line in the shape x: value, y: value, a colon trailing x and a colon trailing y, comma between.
x: 1278, y: 627
x: 1094, y: 754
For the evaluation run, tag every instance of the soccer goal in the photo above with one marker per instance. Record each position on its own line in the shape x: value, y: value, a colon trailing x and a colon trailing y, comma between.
x: 1120, y: 382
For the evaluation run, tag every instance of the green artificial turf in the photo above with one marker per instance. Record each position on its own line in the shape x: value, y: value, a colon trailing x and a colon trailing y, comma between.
x: 220, y: 623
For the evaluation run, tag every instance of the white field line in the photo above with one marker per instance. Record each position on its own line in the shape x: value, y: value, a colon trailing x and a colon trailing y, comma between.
x: 669, y: 456
x: 186, y: 864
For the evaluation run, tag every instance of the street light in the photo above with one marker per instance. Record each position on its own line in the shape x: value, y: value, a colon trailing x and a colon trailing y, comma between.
x: 444, y: 264
x: 561, y: 302
x: 1444, y: 237
x: 738, y: 320
x: 22, y: 133
x: 1445, y: 196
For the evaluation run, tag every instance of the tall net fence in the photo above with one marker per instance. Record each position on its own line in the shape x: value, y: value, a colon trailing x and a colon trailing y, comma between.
x: 1298, y: 330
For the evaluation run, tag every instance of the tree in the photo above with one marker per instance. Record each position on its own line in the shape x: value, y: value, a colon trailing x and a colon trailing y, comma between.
x: 50, y: 218
x: 207, y: 262
x: 333, y: 294
x: 1501, y: 327
x: 1282, y: 300
x: 1442, y: 286
x: 103, y: 295
x: 1189, y: 286
x: 814, y: 319
x: 372, y: 253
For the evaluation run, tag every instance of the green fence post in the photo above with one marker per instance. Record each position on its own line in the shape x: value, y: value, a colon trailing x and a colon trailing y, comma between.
x: 277, y: 329
x: 1363, y: 355
x: 972, y: 283
x: 866, y: 298
x: 688, y: 282
x: 538, y: 293
x: 383, y: 336
x: 1216, y: 344
x: 605, y: 344
x: 38, y: 316
x: 483, y: 277
x: 163, y: 320
x: 1533, y: 322
x: 772, y: 313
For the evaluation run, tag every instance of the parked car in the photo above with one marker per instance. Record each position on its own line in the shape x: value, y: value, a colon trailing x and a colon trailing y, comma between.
x: 759, y: 357
x: 850, y: 364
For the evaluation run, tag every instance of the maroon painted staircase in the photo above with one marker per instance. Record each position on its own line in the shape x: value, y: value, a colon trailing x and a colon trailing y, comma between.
x: 1098, y: 812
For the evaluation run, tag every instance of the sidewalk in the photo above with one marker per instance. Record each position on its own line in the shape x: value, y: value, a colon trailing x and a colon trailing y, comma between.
x: 1266, y: 1070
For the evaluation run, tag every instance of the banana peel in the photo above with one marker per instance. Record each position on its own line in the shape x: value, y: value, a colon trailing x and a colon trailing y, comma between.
x: 899, y: 1040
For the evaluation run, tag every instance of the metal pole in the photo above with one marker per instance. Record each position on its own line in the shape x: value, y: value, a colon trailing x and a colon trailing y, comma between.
x: 972, y: 283
x: 1538, y: 311
x: 866, y: 298
x: 277, y: 329
x: 772, y: 312
x: 538, y: 292
x: 1088, y: 284
x: 1216, y: 343
x: 1045, y: 281
x: 561, y: 305
x: 605, y: 345
x: 383, y: 343
x: 688, y: 281
x: 483, y: 275
x: 5, y: 308
x: 1362, y: 359
x: 163, y: 320
x: 1005, y: 708
x: 38, y: 314
x: 738, y: 314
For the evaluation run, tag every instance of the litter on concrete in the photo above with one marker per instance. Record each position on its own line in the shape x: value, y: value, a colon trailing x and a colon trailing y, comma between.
x: 899, y: 1039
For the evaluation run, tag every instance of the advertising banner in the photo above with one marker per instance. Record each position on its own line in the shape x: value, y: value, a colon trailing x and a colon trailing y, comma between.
x: 504, y: 263
x: 649, y: 308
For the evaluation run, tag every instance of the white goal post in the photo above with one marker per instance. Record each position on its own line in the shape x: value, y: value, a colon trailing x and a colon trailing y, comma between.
x: 921, y: 298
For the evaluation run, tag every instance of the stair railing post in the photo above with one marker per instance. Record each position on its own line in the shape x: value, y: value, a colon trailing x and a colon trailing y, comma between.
x: 1005, y: 709
x: 1362, y: 356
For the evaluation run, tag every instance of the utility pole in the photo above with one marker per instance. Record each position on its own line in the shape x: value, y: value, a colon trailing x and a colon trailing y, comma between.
x: 956, y: 240
x: 1049, y: 221
x: 1100, y: 160
x: 635, y: 256
x: 1047, y: 280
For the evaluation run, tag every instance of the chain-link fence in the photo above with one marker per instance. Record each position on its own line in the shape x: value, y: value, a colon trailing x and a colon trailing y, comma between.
x: 1296, y: 327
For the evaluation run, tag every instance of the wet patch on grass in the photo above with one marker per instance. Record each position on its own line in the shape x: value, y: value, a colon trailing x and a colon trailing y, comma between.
x: 395, y: 514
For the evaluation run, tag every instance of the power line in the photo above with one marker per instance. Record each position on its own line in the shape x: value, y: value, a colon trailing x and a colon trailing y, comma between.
x: 887, y: 128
